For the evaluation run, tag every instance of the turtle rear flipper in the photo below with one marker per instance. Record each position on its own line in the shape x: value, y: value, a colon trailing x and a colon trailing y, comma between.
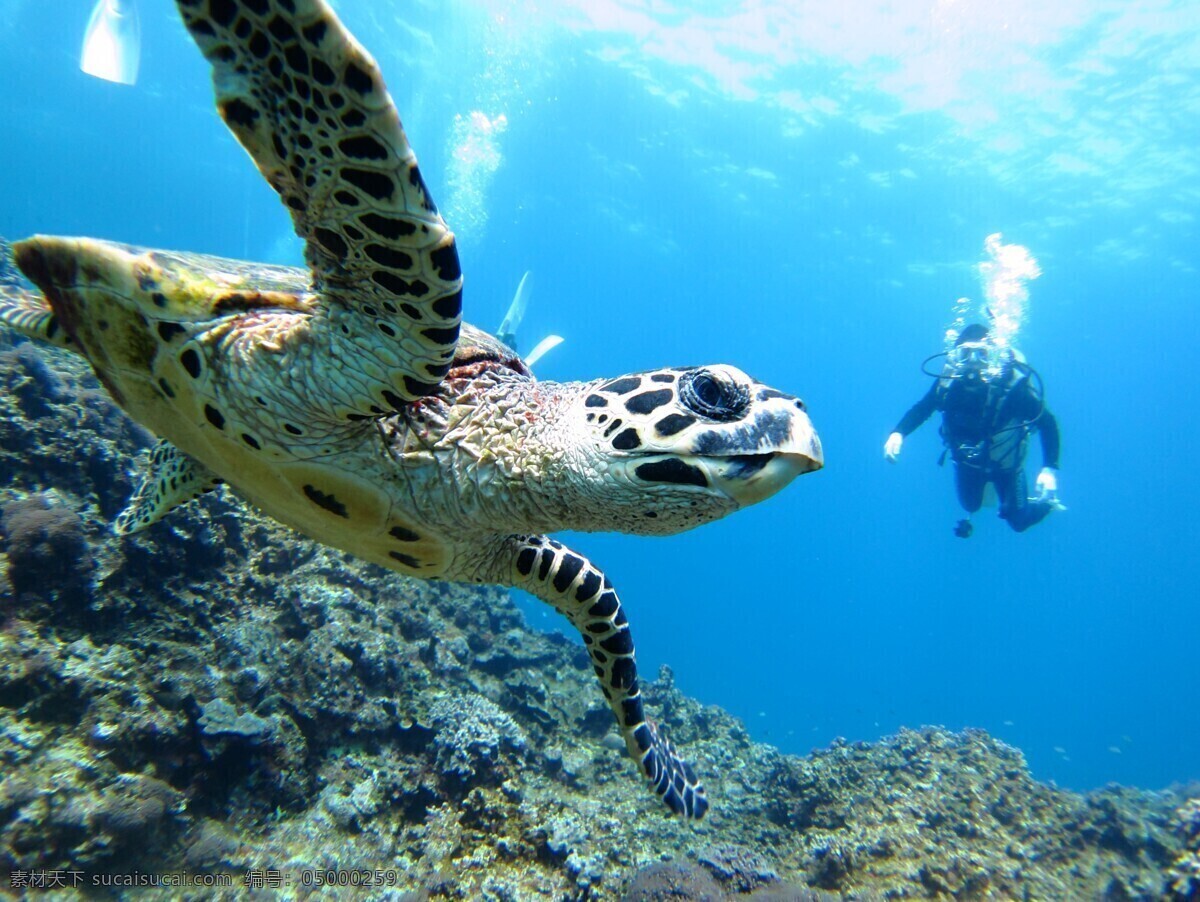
x: 172, y: 479
x: 309, y: 105
x: 27, y: 312
x: 22, y: 308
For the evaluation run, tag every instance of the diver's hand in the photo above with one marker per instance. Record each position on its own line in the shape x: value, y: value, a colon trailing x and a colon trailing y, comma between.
x: 1047, y: 488
x: 891, y: 448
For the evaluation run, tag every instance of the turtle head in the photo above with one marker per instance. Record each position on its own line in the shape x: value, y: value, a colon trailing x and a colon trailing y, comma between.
x: 685, y: 446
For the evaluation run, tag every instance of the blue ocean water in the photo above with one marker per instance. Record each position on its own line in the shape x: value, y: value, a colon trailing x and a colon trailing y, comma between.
x: 803, y: 192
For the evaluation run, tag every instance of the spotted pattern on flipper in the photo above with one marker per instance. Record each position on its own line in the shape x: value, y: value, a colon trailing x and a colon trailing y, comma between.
x: 309, y: 105
x: 581, y: 592
x: 171, y: 479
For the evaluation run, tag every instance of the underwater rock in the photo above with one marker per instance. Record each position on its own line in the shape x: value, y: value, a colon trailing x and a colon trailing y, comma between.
x: 48, y: 552
x: 218, y: 719
x: 474, y: 738
x: 667, y: 881
x: 737, y: 869
x: 1183, y: 875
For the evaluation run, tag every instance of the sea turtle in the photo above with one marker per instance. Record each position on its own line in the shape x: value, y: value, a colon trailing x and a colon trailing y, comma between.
x: 346, y: 401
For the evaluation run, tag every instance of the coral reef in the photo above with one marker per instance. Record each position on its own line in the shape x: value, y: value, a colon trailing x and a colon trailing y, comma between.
x: 1183, y: 877
x: 218, y: 696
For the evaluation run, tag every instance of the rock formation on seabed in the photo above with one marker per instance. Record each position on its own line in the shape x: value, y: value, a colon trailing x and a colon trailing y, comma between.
x: 219, y: 696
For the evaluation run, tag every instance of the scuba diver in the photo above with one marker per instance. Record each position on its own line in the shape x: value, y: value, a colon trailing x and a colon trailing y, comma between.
x: 991, y: 400
x: 507, y: 332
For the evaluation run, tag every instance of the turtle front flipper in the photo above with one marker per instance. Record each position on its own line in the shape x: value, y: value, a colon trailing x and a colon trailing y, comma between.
x: 173, y: 478
x: 577, y: 589
x: 309, y: 105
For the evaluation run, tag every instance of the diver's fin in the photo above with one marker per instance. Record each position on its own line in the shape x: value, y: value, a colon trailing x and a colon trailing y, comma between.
x: 549, y: 343
x: 173, y: 479
x: 112, y: 44
x: 507, y: 332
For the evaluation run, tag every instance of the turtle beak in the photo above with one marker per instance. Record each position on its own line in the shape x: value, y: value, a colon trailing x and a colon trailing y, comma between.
x: 751, y: 478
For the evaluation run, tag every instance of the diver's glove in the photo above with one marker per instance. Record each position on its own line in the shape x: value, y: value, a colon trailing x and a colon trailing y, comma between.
x: 891, y: 448
x: 1047, y: 488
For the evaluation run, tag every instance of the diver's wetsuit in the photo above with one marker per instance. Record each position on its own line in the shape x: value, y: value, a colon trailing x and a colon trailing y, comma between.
x: 984, y: 427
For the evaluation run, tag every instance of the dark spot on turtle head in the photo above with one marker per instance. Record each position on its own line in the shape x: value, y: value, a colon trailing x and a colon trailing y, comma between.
x: 622, y: 386
x: 649, y: 401
x: 662, y: 377
x: 672, y: 470
x: 612, y: 427
x: 328, y: 502
x: 251, y: 441
x: 525, y: 561
x: 403, y: 534
x: 191, y: 362
x: 166, y: 388
x: 159, y: 299
x: 627, y: 440
x: 104, y: 325
x: 595, y: 401
x: 214, y: 416
x: 293, y: 429
x: 406, y: 559
x: 673, y: 423
x: 386, y: 330
x: 167, y: 331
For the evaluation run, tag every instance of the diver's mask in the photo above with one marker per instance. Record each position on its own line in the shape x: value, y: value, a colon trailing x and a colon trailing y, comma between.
x: 978, y: 360
x: 970, y: 356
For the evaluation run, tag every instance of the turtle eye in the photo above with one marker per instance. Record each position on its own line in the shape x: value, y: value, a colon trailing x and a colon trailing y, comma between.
x: 712, y: 395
